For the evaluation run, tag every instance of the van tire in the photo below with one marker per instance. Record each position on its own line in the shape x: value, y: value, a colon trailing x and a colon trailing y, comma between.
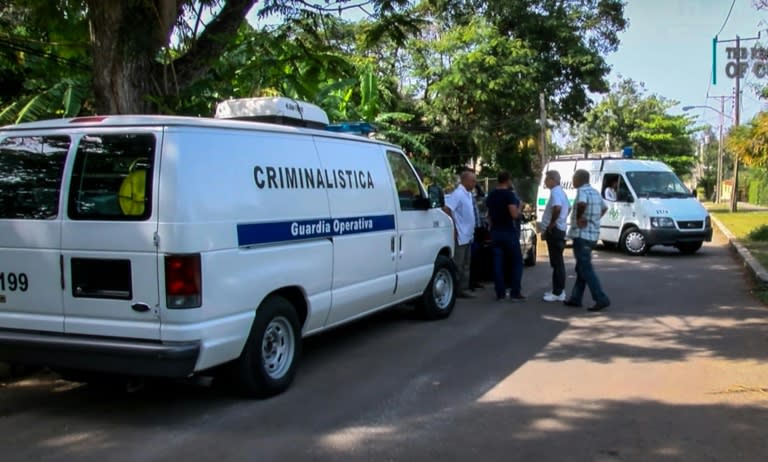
x: 267, y: 365
x: 439, y: 297
x: 689, y: 248
x: 633, y: 242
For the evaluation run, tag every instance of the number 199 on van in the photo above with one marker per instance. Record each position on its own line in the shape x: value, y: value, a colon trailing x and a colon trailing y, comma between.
x: 14, y: 282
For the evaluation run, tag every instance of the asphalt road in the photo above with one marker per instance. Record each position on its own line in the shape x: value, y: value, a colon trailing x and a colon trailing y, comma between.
x: 675, y: 369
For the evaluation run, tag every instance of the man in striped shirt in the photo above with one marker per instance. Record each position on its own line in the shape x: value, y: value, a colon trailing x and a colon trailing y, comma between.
x: 588, y: 209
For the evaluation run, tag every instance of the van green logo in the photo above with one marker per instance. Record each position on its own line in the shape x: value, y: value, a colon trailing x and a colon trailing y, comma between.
x: 613, y: 213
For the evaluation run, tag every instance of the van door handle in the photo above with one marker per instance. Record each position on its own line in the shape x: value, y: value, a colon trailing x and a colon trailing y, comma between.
x: 140, y: 307
x: 392, y: 247
x: 401, y: 246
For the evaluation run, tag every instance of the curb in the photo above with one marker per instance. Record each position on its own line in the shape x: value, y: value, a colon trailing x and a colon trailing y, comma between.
x: 754, y: 266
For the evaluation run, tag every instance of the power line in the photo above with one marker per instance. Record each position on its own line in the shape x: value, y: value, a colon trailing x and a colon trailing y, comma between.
x: 726, y: 18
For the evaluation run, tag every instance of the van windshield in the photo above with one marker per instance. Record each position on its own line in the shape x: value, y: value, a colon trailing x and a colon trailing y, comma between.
x: 657, y: 184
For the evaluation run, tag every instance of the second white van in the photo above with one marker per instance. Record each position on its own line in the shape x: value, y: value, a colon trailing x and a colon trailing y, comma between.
x: 651, y: 207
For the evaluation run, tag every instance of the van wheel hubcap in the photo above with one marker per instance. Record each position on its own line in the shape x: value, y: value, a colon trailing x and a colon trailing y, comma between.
x: 278, y: 347
x: 442, y: 288
x: 635, y: 242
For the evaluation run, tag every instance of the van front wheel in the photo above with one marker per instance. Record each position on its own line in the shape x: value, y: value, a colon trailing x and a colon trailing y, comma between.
x: 439, y: 297
x: 633, y: 242
x: 688, y: 248
x: 267, y: 365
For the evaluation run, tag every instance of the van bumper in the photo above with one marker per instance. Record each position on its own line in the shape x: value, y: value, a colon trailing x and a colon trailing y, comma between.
x: 118, y: 356
x: 674, y: 236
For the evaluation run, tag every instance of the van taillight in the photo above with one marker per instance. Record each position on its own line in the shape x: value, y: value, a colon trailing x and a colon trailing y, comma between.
x: 183, y: 281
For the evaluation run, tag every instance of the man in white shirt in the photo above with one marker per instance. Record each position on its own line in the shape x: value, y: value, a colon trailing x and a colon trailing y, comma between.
x: 553, y: 227
x: 459, y: 204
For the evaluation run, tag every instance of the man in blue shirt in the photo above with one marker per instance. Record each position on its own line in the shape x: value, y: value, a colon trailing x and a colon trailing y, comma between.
x: 504, y: 219
x: 588, y: 209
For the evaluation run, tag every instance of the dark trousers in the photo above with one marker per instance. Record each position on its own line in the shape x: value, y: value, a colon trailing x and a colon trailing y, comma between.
x: 507, y: 263
x: 555, y: 247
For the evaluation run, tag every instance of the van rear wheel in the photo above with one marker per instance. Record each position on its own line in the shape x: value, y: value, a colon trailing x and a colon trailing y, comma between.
x: 439, y: 297
x: 267, y: 365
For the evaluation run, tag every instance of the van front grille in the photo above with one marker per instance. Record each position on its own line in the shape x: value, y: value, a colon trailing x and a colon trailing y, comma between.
x: 698, y: 224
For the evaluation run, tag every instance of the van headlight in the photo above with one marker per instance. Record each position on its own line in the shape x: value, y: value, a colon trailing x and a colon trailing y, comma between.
x: 707, y: 222
x: 662, y: 222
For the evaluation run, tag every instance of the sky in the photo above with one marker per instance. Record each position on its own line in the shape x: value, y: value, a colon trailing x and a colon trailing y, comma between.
x: 668, y: 47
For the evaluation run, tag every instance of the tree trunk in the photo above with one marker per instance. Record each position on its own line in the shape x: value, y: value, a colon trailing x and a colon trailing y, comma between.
x: 123, y: 50
x: 126, y: 37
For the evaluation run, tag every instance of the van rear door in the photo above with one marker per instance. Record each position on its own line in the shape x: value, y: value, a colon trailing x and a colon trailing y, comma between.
x: 31, y: 171
x: 108, y: 235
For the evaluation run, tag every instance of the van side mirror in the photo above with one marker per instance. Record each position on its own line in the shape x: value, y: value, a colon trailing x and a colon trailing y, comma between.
x: 422, y: 203
x: 624, y: 196
x: 436, y: 196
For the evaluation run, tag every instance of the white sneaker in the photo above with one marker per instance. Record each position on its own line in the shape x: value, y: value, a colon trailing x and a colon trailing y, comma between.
x: 550, y: 297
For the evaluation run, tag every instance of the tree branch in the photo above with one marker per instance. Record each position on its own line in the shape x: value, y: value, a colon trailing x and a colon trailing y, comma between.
x: 212, y: 42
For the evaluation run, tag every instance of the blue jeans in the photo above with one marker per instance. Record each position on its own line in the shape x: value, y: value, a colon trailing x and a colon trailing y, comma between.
x: 507, y: 263
x: 585, y: 273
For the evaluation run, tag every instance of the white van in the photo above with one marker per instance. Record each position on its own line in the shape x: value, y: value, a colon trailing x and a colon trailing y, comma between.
x: 167, y: 246
x: 652, y: 206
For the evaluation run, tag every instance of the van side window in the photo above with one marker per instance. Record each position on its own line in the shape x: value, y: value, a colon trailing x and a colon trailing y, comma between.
x: 30, y: 176
x: 112, y: 178
x: 406, y: 181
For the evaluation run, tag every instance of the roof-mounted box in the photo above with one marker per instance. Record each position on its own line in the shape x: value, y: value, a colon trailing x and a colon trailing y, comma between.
x: 277, y: 110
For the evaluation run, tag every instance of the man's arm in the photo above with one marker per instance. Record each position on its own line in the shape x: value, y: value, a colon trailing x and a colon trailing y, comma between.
x: 555, y: 215
x: 514, y: 210
x: 581, y: 220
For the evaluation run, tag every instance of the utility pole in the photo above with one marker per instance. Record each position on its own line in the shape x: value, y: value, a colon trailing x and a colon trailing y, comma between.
x: 737, y: 110
x: 543, y: 135
x: 719, y: 180
x: 737, y: 96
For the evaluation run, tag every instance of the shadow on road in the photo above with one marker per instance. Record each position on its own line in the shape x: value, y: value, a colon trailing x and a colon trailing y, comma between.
x: 391, y: 387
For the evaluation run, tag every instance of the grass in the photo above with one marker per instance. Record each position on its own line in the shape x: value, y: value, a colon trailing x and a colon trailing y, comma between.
x: 751, y: 229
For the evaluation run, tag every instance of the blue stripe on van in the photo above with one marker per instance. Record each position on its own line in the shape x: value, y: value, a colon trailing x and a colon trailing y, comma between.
x: 281, y: 231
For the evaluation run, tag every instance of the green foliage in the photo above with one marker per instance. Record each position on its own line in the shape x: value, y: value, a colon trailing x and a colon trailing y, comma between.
x: 44, y: 69
x: 450, y: 80
x: 480, y: 68
x: 750, y: 142
x: 759, y: 234
x: 432, y: 174
x: 627, y: 117
x: 757, y: 192
x: 667, y: 138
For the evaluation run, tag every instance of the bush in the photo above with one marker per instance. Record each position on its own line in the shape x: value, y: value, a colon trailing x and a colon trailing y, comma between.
x: 759, y: 234
x: 757, y: 192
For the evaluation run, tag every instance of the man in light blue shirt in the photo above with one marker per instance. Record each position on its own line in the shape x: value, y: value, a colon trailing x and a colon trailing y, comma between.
x: 588, y: 209
x: 553, y: 227
x: 460, y: 205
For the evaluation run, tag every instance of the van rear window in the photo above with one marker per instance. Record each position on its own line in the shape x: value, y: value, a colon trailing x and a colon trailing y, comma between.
x: 30, y: 176
x: 112, y: 177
